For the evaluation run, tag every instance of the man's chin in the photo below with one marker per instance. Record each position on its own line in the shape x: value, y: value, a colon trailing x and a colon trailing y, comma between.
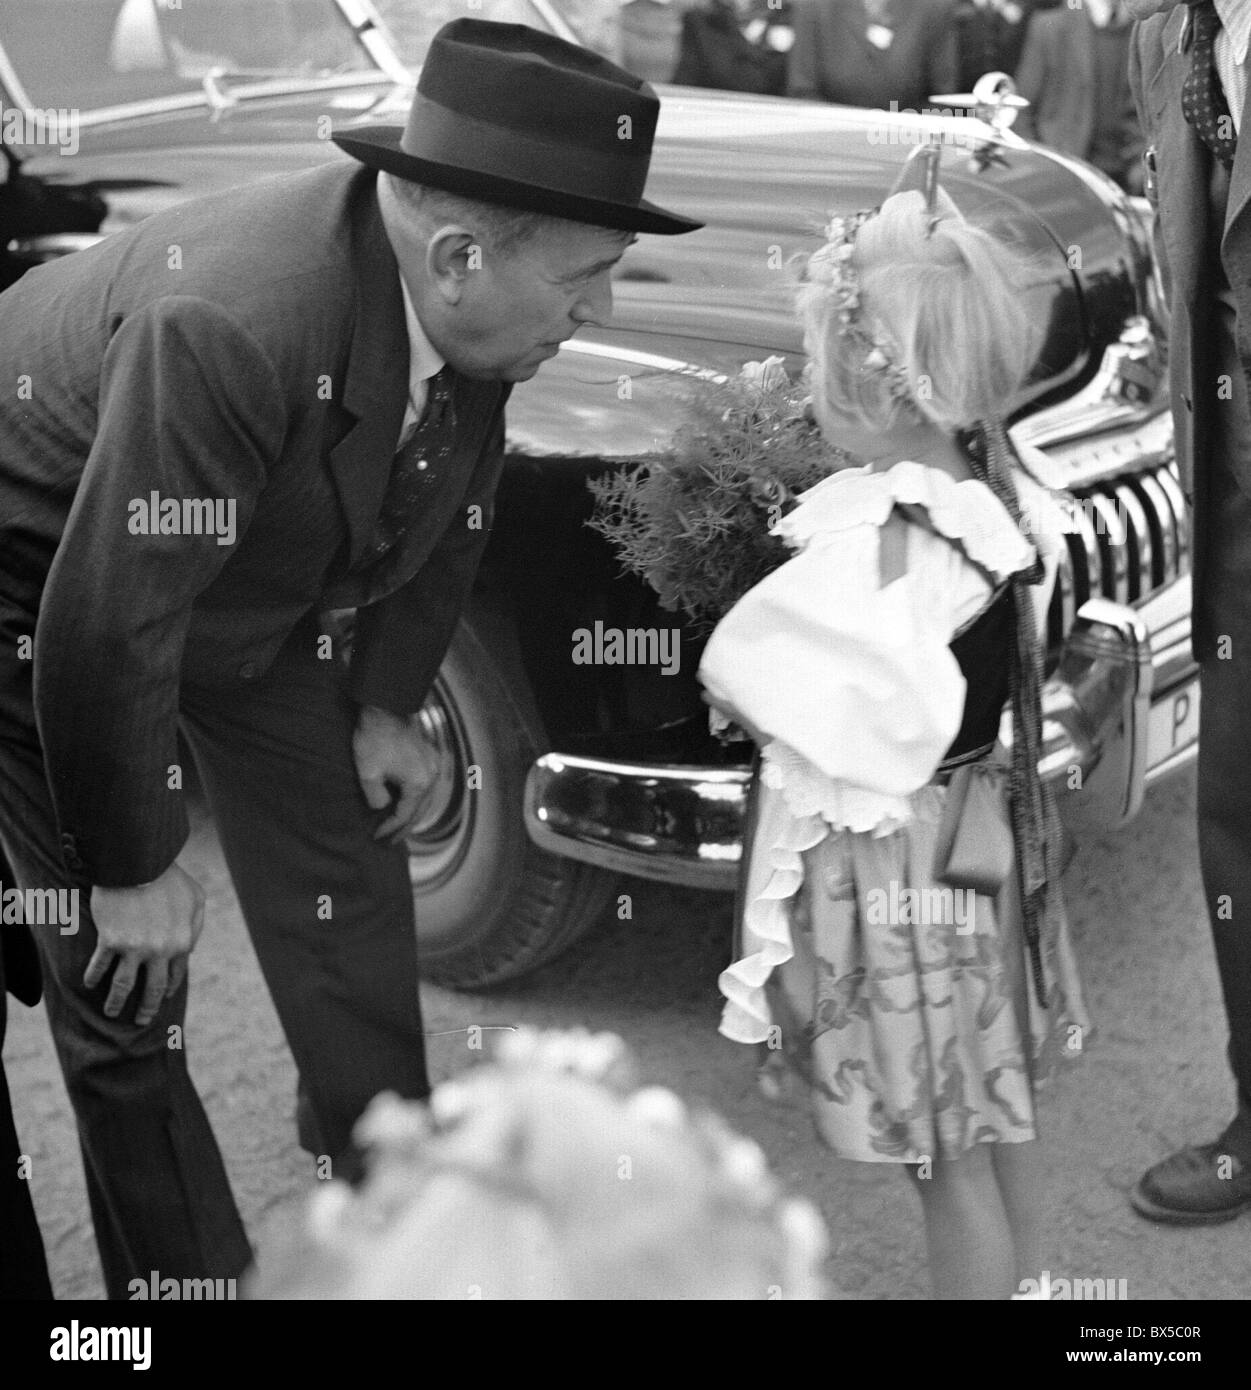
x: 513, y: 371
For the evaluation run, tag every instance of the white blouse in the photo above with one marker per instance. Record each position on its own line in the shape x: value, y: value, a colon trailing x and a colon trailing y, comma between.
x: 854, y: 682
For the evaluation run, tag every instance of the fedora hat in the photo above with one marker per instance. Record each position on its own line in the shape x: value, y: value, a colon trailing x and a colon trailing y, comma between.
x: 504, y: 113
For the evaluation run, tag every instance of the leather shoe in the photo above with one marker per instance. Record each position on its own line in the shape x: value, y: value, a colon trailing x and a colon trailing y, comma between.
x: 1198, y: 1186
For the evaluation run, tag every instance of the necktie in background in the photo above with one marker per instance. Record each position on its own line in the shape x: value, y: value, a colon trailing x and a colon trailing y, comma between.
x: 414, y: 468
x: 1203, y: 98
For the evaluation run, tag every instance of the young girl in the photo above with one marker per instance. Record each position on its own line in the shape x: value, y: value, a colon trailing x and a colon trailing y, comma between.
x: 870, y: 667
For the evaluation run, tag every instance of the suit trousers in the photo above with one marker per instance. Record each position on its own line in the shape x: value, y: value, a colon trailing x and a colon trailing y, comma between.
x: 1223, y: 514
x: 23, y: 1267
x: 330, y: 915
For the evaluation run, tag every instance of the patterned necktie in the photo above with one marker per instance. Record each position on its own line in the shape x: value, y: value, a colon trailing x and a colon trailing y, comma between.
x: 414, y: 469
x: 1035, y: 820
x: 1203, y: 98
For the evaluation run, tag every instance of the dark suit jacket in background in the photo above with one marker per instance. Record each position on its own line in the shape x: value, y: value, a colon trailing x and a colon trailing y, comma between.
x: 833, y: 60
x: 716, y: 53
x: 1057, y: 77
x: 192, y: 356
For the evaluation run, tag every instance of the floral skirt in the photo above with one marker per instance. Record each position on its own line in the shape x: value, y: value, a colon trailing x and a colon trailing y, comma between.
x: 908, y: 1005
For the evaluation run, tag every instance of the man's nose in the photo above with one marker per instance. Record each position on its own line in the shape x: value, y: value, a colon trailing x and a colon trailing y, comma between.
x: 596, y: 305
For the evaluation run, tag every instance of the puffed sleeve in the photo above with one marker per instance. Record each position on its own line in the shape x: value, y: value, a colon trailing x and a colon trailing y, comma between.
x: 858, y: 679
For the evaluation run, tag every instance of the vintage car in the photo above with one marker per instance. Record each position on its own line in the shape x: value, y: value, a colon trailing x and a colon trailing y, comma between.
x: 560, y: 775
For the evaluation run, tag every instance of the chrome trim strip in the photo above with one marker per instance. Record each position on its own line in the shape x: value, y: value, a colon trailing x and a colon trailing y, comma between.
x: 1091, y: 554
x: 12, y: 83
x: 1162, y: 509
x: 1141, y: 566
x: 1114, y: 547
x: 1169, y: 481
x: 190, y: 101
x: 641, y: 359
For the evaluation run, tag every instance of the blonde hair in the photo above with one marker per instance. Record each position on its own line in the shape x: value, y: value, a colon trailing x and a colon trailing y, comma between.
x: 948, y: 308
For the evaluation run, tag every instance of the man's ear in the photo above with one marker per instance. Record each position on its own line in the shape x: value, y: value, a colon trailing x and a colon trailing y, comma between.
x: 453, y: 254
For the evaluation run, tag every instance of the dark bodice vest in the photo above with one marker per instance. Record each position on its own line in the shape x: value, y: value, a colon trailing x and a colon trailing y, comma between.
x: 983, y: 650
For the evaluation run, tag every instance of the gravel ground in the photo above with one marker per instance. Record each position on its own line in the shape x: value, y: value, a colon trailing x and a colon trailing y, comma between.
x: 1154, y: 1079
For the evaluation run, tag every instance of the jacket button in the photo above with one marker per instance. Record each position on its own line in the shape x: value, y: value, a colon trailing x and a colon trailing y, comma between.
x: 248, y: 671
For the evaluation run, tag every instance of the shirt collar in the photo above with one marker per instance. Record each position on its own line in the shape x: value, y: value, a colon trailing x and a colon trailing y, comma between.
x: 1236, y: 19
x: 1100, y: 12
x: 423, y: 361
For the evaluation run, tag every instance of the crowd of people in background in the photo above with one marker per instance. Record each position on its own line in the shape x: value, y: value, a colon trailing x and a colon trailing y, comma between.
x: 1071, y: 63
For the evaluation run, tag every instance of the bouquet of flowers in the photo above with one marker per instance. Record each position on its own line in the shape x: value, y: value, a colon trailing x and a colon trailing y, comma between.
x: 548, y: 1172
x: 694, y: 521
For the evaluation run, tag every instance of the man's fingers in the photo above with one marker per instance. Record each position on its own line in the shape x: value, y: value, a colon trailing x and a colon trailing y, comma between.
x: 124, y: 978
x: 376, y: 793
x: 156, y: 974
x: 410, y: 800
x: 98, y: 965
x: 177, y: 974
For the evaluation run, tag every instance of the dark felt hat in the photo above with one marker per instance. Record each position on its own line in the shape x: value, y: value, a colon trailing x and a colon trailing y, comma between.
x: 507, y: 114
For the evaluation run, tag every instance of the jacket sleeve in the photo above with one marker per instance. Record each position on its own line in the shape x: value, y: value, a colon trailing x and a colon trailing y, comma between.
x: 189, y: 409
x: 400, y: 643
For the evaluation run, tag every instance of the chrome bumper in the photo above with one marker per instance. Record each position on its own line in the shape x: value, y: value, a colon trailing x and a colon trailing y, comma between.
x: 682, y: 824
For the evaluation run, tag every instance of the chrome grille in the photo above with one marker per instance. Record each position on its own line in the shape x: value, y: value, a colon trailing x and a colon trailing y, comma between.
x: 1128, y: 538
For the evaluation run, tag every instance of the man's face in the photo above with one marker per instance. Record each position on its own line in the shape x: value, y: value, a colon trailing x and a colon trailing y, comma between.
x: 517, y: 307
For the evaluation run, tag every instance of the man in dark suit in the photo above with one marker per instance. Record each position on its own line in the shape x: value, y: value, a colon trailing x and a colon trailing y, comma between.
x: 246, y: 412
x: 1189, y: 82
x: 1074, y: 74
x: 873, y: 52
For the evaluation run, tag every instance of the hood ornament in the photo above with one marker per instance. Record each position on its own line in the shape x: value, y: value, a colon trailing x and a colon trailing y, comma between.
x: 995, y: 102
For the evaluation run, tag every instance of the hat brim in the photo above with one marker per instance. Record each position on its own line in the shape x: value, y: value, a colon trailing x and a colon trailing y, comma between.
x: 379, y: 148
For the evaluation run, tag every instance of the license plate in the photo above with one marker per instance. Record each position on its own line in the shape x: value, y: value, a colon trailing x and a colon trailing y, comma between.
x: 1174, y: 724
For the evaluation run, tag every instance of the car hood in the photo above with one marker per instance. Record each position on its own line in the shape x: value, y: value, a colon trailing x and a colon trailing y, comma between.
x: 765, y: 174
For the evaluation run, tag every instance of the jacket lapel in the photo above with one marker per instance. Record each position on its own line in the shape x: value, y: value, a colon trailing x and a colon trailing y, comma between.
x: 1239, y: 179
x: 375, y: 385
x: 1181, y: 160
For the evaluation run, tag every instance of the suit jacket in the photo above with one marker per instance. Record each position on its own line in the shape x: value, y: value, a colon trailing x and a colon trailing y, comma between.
x: 716, y: 53
x: 1057, y: 77
x: 1157, y: 70
x: 832, y: 60
x: 249, y: 347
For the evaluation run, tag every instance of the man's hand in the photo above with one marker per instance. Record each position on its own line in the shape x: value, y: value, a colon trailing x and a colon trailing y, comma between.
x: 391, y: 750
x: 156, y: 926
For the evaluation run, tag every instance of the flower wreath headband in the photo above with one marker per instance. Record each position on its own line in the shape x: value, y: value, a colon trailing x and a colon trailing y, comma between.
x: 832, y: 265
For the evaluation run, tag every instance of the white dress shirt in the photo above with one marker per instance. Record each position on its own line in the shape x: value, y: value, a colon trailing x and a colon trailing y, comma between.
x: 1231, y: 53
x: 423, y: 363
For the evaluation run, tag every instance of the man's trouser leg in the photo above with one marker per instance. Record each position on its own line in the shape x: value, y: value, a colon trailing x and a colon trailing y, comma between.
x: 1224, y: 781
x: 329, y: 908
x: 158, y: 1191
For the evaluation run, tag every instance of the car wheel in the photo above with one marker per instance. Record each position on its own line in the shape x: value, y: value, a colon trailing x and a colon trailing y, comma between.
x: 490, y: 905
